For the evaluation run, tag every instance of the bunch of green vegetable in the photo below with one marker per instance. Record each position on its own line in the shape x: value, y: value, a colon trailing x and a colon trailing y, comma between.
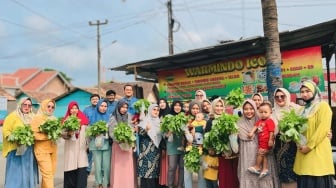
x: 174, y: 124
x: 72, y: 123
x: 52, y: 128
x: 123, y: 133
x: 291, y: 126
x: 218, y: 137
x: 235, y: 98
x: 22, y: 136
x: 141, y: 103
x: 99, y: 127
x: 192, y: 159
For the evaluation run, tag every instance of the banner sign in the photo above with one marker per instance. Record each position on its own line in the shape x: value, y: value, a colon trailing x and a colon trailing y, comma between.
x: 248, y: 73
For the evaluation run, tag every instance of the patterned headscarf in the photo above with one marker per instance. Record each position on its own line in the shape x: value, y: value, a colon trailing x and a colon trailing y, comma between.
x: 25, y: 117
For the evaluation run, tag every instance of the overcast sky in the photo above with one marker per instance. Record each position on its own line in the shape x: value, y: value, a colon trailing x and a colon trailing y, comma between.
x: 57, y: 35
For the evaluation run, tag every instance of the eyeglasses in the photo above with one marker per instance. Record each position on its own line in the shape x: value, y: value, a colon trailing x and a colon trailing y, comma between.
x: 27, y: 105
x: 199, y: 95
x: 49, y: 106
x: 280, y: 96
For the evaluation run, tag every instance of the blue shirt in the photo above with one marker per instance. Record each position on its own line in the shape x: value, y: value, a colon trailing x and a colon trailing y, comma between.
x: 131, y: 102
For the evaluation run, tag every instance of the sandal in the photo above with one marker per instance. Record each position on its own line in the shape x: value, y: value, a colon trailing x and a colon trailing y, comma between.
x: 264, y: 173
x: 253, y: 170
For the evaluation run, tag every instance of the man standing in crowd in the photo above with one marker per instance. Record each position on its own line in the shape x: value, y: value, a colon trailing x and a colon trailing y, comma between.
x: 112, y: 103
x: 88, y: 111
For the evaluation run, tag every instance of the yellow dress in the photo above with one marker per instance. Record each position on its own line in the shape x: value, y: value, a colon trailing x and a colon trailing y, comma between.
x: 317, y: 162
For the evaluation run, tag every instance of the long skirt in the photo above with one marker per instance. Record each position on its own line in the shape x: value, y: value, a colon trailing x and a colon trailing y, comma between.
x: 315, y: 181
x: 21, y: 170
x: 227, y: 173
x: 164, y: 169
x: 122, y: 168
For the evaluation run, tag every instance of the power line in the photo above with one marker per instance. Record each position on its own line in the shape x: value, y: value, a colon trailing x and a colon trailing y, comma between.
x: 98, y: 23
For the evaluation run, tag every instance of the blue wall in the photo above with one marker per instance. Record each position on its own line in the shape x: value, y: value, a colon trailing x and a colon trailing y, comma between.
x: 80, y: 96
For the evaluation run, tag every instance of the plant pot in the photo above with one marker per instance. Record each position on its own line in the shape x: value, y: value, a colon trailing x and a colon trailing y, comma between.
x: 99, y: 141
x: 20, y: 150
x: 125, y: 146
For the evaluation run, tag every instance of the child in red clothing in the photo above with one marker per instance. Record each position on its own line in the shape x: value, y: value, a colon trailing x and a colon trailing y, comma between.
x: 265, y: 129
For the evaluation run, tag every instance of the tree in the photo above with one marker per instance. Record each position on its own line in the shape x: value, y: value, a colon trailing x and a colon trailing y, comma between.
x: 68, y: 79
x: 272, y: 45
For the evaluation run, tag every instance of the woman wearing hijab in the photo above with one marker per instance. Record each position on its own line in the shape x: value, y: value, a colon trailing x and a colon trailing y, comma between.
x: 200, y: 95
x: 101, y: 154
x: 194, y: 108
x: 149, y: 153
x: 45, y: 149
x: 122, y: 162
x: 258, y: 99
x: 21, y: 170
x: 75, y: 175
x: 227, y: 169
x: 248, y: 151
x: 313, y: 162
x: 175, y: 156
x: 284, y: 152
x: 164, y: 110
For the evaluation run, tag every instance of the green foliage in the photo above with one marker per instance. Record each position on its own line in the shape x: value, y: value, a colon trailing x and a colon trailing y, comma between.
x: 72, y: 123
x: 99, y: 127
x: 235, y: 98
x: 123, y: 133
x: 52, y: 128
x: 141, y: 102
x: 174, y: 124
x: 192, y: 159
x: 218, y: 137
x: 22, y: 136
x: 61, y: 73
x: 291, y: 126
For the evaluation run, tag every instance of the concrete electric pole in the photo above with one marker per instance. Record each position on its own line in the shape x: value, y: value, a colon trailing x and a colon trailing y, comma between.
x: 170, y: 28
x: 98, y: 23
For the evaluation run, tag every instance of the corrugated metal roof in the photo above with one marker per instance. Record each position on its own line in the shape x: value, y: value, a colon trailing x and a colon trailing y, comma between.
x: 322, y: 34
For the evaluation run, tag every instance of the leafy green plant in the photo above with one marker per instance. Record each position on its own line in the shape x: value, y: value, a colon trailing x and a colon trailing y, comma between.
x: 292, y: 126
x: 99, y: 127
x: 218, y: 137
x: 123, y: 133
x: 72, y: 123
x: 52, y: 128
x: 22, y: 136
x: 141, y: 102
x: 235, y: 98
x: 192, y: 159
x: 174, y: 124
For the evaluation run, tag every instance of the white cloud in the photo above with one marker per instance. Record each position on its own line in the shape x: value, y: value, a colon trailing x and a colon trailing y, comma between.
x: 2, y: 29
x: 37, y: 22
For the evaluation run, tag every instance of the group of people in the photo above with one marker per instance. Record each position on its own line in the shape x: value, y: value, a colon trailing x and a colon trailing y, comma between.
x: 263, y: 160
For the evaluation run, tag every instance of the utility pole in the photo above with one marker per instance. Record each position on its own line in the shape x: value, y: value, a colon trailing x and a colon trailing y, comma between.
x: 170, y: 28
x: 98, y: 23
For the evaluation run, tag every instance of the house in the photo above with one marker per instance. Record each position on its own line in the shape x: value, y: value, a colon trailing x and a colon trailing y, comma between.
x: 7, y: 104
x: 80, y: 95
x: 34, y: 79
